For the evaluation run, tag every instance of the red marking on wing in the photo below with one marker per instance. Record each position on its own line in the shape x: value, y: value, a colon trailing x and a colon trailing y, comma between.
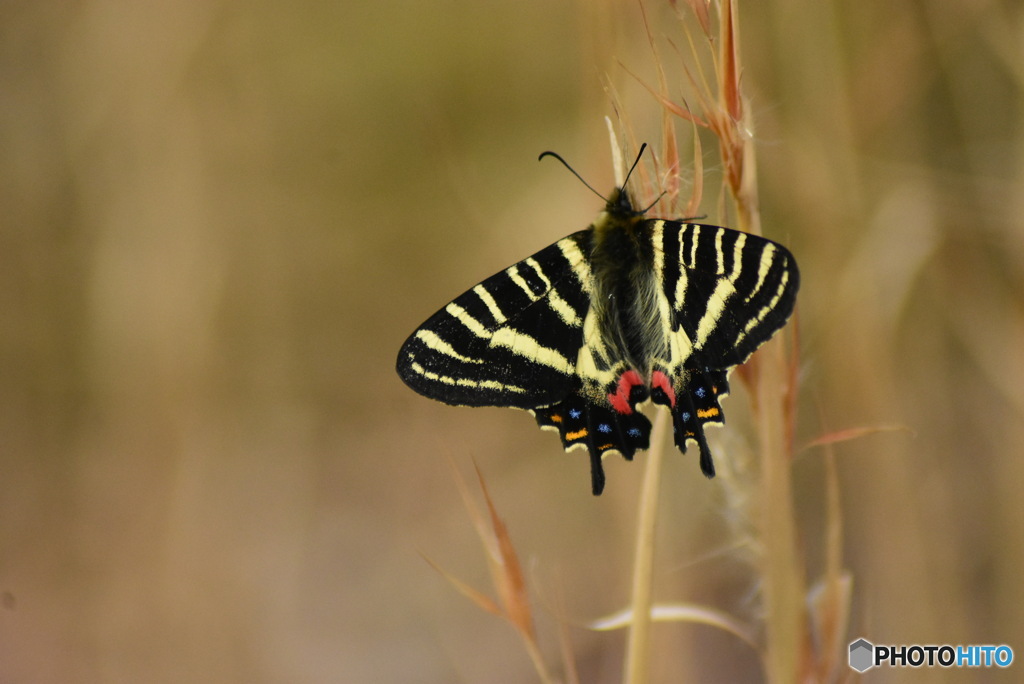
x: 661, y: 381
x: 620, y: 399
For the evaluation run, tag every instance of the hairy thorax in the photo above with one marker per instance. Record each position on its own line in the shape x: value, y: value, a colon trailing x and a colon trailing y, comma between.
x: 626, y: 288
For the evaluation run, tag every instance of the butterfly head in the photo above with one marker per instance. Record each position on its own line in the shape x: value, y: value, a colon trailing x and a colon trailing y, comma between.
x: 619, y: 205
x: 618, y: 216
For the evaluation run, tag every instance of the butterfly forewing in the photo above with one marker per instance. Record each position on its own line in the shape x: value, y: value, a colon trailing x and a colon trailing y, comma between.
x: 733, y: 292
x: 511, y: 340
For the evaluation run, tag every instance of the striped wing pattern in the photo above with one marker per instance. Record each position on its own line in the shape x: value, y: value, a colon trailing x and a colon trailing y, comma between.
x: 724, y: 293
x: 530, y: 336
x: 728, y: 291
x: 511, y: 340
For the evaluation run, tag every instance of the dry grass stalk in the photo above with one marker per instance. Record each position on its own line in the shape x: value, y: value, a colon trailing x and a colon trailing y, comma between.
x: 506, y: 574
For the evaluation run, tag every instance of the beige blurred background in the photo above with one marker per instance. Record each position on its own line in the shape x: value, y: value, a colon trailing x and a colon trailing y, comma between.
x: 219, y: 220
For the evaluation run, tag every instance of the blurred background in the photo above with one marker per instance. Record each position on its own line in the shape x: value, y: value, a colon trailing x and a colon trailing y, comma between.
x: 219, y: 221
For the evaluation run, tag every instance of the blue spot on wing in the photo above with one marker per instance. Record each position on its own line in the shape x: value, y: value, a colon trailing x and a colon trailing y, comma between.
x: 597, y: 426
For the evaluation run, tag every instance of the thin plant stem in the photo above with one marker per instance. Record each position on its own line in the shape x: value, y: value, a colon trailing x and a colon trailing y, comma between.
x: 638, y: 647
x: 783, y: 578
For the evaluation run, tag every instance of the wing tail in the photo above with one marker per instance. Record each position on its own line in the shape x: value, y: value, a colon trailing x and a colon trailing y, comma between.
x: 582, y: 423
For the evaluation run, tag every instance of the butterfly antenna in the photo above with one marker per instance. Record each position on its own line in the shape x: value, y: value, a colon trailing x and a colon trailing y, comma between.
x: 656, y: 200
x: 638, y: 156
x: 573, y: 171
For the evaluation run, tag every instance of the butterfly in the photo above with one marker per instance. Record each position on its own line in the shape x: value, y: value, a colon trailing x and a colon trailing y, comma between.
x: 627, y: 310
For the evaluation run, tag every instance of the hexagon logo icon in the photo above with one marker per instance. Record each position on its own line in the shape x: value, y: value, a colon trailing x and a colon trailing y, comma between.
x: 862, y: 654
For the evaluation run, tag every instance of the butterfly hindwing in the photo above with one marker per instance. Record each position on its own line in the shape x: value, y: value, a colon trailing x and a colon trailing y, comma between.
x: 584, y: 423
x: 511, y: 340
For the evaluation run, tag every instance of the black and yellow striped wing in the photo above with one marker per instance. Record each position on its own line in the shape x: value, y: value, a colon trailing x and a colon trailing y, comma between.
x: 511, y: 340
x: 727, y: 292
x: 629, y: 310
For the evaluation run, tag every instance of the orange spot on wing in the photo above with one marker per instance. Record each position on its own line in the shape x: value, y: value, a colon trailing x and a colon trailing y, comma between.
x: 556, y: 418
x: 603, y: 447
x: 707, y: 413
x: 579, y: 434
